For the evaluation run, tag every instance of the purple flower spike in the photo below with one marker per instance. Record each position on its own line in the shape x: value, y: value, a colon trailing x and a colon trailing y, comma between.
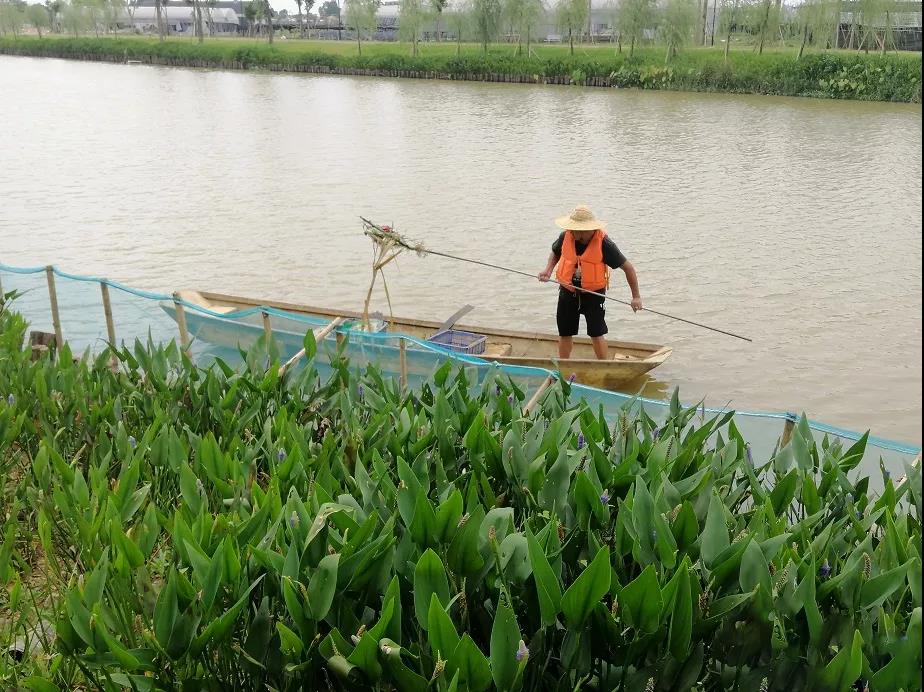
x: 497, y: 390
x: 825, y: 570
x: 522, y: 651
x: 747, y: 449
x: 362, y: 391
x: 656, y: 433
x: 11, y: 400
x: 654, y: 535
x: 293, y: 519
x: 605, y: 498
x: 132, y: 442
x: 510, y: 398
x: 580, y: 440
x: 572, y: 378
x: 281, y: 455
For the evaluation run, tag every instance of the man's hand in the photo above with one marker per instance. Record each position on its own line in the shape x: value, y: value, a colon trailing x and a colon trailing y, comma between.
x: 636, y: 304
x: 545, y: 275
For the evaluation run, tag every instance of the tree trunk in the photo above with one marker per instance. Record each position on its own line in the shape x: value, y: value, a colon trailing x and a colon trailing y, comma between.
x: 459, y: 42
x: 438, y: 14
x: 763, y: 27
x: 159, y: 9
x: 200, y: 30
x: 619, y: 42
x: 715, y: 4
x: 269, y: 29
x: 528, y: 41
x: 632, y: 46
x: 805, y: 30
x: 39, y: 30
x: 359, y: 43
x: 727, y: 40
x: 571, y: 39
x: 705, y: 21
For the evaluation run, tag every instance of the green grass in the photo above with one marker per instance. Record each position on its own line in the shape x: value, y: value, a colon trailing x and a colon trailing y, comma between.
x: 831, y: 74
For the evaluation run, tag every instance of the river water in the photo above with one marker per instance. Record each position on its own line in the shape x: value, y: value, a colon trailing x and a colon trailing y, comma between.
x: 795, y: 222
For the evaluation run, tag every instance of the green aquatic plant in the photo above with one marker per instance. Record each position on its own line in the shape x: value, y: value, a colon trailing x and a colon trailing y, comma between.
x: 172, y: 527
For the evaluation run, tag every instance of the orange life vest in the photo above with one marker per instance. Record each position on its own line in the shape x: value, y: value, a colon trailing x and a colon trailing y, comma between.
x: 595, y: 275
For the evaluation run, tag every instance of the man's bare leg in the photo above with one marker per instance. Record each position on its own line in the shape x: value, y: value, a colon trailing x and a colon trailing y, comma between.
x: 564, y: 346
x: 601, y: 350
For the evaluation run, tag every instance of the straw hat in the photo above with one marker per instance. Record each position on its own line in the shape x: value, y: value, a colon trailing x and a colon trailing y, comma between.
x: 579, y: 219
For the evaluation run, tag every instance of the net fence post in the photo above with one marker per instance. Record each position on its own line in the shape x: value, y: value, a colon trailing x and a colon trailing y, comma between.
x: 53, y: 297
x: 181, y: 322
x: 402, y: 356
x: 788, y: 426
x: 267, y: 328
x: 546, y: 383
x: 107, y: 310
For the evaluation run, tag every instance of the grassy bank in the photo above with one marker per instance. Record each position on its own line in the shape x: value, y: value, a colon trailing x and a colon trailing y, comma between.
x: 840, y: 74
x: 167, y: 527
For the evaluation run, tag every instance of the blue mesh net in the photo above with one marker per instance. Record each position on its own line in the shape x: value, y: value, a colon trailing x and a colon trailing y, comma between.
x: 224, y: 334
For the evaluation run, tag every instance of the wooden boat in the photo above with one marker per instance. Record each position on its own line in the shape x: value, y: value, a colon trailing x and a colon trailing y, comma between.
x: 628, y: 360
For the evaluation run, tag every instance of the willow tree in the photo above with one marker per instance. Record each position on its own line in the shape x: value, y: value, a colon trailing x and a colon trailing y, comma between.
x: 459, y: 20
x: 523, y: 17
x: 572, y: 16
x: 412, y: 15
x: 12, y: 18
x: 487, y: 18
x: 678, y: 22
x: 634, y: 17
x: 731, y: 14
x: 438, y: 6
x: 39, y: 18
x: 360, y: 16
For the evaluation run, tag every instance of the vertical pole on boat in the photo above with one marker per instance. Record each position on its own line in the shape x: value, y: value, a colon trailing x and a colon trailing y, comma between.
x: 181, y: 321
x: 788, y: 427
x: 535, y: 398
x: 107, y: 310
x: 402, y: 355
x: 53, y: 297
x: 267, y: 329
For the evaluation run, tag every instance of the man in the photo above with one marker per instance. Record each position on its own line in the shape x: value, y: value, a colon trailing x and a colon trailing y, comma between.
x: 585, y: 255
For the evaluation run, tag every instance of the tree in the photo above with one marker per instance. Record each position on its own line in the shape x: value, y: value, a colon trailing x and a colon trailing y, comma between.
x: 524, y: 17
x: 486, y: 21
x: 635, y: 16
x: 330, y: 8
x: 54, y: 11
x: 572, y: 16
x: 74, y: 19
x: 677, y: 24
x: 412, y: 15
x: 301, y: 20
x: 12, y: 17
x: 39, y: 18
x: 459, y: 20
x: 438, y: 7
x: 265, y: 13
x: 360, y: 16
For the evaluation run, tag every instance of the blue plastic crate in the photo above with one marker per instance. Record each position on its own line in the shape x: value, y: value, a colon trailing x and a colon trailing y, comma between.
x: 462, y: 342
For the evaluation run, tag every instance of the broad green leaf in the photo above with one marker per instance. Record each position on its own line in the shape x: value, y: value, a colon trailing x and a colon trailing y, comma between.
x: 290, y: 643
x: 505, y: 639
x: 641, y: 602
x: 682, y: 617
x: 219, y: 628
x: 754, y: 569
x: 441, y: 632
x: 429, y: 579
x: 322, y: 586
x: 878, y: 589
x: 587, y: 590
x: 165, y: 612
x: 547, y: 586
x: 842, y: 672
x: 715, y: 534
x: 472, y: 665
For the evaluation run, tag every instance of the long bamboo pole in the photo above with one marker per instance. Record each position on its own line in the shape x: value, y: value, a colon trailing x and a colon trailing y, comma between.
x: 539, y: 392
x: 318, y: 335
x: 788, y: 427
x: 425, y: 251
x: 53, y: 297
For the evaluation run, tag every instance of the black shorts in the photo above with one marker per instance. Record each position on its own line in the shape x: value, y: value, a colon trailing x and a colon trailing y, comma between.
x: 570, y: 308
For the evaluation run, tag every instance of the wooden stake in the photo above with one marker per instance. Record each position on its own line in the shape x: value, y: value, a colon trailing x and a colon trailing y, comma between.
x: 402, y: 357
x: 181, y: 322
x: 535, y: 398
x: 53, y: 296
x: 319, y: 334
x: 267, y: 329
x: 107, y: 310
x: 788, y: 427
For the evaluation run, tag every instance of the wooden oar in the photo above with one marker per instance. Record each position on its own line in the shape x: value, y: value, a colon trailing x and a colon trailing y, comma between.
x: 319, y: 334
x: 450, y: 323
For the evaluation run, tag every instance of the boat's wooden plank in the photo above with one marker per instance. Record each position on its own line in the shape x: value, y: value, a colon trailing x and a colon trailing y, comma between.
x: 644, y: 350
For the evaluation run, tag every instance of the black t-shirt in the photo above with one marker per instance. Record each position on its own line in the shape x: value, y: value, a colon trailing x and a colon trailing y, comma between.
x: 612, y: 256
